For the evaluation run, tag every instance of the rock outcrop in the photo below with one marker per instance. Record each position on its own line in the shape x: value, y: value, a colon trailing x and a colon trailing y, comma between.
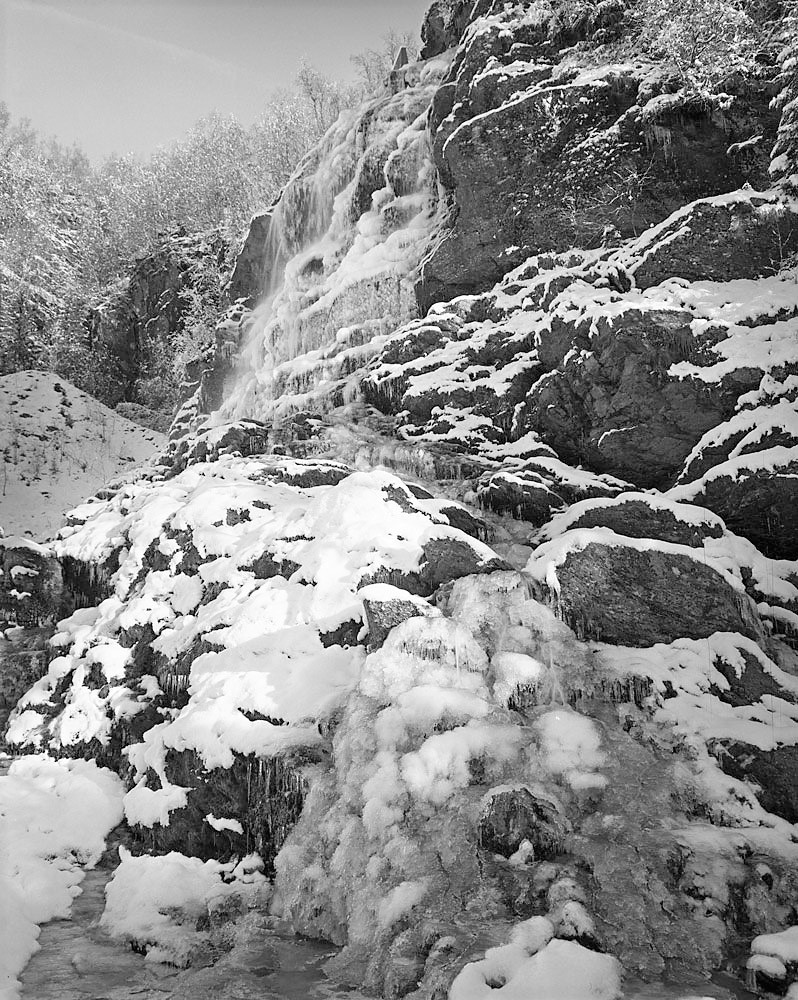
x: 539, y: 153
x: 145, y: 311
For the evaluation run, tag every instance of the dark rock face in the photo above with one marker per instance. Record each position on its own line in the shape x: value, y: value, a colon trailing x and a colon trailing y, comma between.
x: 254, y: 262
x: 759, y: 503
x: 513, y: 138
x: 772, y: 773
x: 265, y: 793
x: 444, y: 24
x: 616, y: 411
x: 513, y: 816
x: 85, y: 584
x: 716, y: 242
x: 620, y: 595
x: 23, y: 660
x: 147, y: 308
x: 31, y: 584
x: 636, y: 518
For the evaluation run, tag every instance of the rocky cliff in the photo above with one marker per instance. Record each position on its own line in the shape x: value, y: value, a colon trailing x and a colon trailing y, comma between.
x: 466, y: 593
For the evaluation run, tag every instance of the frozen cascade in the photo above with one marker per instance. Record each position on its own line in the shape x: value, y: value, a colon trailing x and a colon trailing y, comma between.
x: 344, y: 242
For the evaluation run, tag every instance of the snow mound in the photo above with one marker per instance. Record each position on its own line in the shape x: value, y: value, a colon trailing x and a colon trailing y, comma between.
x: 54, y: 817
x: 156, y: 902
x: 530, y: 968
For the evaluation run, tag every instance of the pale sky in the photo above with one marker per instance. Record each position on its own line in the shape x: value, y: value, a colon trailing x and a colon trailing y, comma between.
x: 130, y: 75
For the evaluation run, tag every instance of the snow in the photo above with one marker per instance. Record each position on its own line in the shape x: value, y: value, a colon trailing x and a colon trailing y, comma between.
x: 571, y: 744
x: 59, y: 446
x: 224, y: 824
x: 54, y: 817
x: 400, y: 901
x: 689, y: 666
x: 264, y: 676
x: 528, y: 969
x: 782, y: 945
x: 440, y: 767
x: 155, y: 902
x: 146, y: 806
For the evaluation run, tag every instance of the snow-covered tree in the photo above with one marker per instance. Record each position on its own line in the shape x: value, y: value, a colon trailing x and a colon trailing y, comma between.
x: 784, y: 161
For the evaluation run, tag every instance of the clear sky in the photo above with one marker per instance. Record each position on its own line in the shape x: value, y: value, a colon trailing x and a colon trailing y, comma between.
x: 130, y: 75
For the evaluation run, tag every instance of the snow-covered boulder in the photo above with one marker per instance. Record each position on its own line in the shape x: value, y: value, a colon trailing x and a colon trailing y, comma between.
x: 616, y: 589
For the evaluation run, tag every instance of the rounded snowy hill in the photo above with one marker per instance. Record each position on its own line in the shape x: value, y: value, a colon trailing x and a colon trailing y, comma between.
x: 57, y: 446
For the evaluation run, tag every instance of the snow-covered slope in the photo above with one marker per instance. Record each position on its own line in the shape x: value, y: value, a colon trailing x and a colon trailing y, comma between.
x: 58, y: 445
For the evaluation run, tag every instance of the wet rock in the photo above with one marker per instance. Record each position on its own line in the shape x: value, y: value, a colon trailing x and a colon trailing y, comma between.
x: 254, y: 262
x: 511, y: 816
x: 615, y: 407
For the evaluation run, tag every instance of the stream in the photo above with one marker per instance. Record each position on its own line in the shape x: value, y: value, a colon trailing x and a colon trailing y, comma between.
x: 78, y: 961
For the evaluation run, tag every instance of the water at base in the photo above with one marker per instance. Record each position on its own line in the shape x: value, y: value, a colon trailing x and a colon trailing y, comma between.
x: 77, y: 961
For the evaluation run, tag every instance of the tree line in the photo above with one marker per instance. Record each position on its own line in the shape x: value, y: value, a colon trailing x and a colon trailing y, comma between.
x: 69, y: 230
